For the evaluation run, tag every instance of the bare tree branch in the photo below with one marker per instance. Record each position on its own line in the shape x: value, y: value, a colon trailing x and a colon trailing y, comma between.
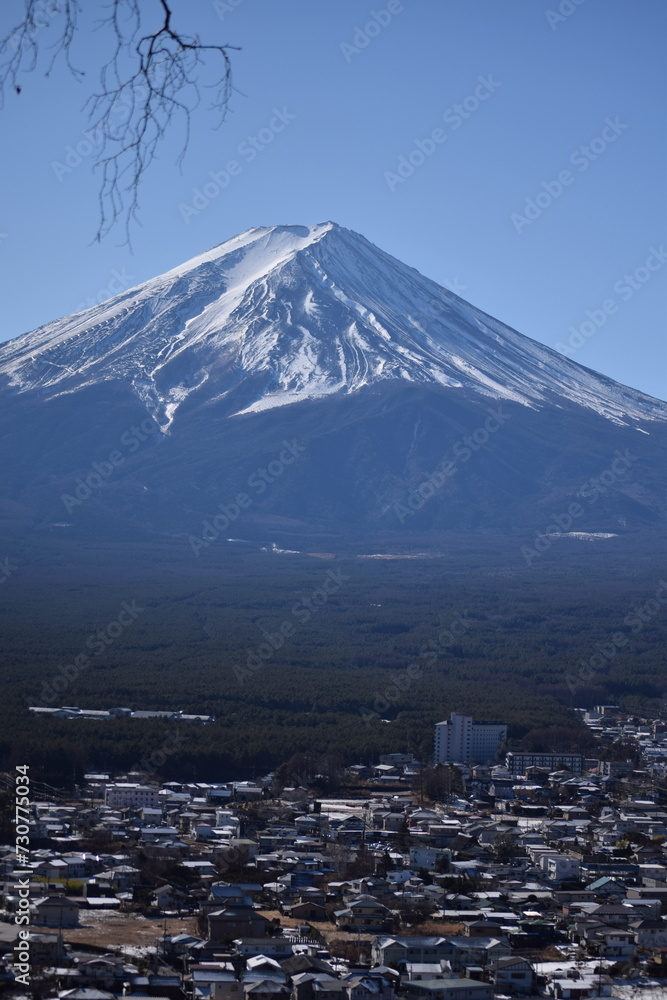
x: 150, y: 79
x: 19, y: 50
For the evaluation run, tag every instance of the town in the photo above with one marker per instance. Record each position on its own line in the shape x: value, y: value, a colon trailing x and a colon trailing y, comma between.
x: 483, y: 873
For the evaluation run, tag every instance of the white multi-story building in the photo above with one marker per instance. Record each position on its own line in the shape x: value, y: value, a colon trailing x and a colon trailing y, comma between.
x: 125, y: 794
x: 461, y: 739
x: 560, y: 867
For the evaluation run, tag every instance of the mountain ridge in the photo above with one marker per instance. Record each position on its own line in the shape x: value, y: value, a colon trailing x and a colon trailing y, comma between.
x: 309, y: 312
x: 312, y: 334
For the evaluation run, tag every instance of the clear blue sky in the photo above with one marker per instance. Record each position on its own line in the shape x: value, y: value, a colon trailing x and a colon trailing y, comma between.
x: 552, y: 81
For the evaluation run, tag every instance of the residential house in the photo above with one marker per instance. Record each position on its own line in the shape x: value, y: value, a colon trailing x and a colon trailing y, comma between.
x: 649, y: 933
x: 606, y: 886
x: 513, y: 974
x: 612, y: 942
x: 580, y: 988
x: 55, y: 911
x: 449, y: 989
x: 305, y: 910
x: 464, y: 952
x: 369, y: 987
x: 416, y: 971
x: 265, y: 989
x: 235, y: 921
x: 364, y: 913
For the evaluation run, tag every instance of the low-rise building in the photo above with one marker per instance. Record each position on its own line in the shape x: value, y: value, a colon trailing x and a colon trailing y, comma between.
x: 449, y: 989
x: 126, y: 794
x: 518, y: 763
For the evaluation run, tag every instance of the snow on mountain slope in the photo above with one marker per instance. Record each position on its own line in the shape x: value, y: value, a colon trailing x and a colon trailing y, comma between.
x: 291, y: 313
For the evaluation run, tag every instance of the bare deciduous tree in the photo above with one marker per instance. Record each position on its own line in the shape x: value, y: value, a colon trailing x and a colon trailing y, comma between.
x: 152, y: 77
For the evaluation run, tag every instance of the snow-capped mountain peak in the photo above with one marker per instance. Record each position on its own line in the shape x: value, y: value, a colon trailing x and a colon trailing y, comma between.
x: 278, y: 315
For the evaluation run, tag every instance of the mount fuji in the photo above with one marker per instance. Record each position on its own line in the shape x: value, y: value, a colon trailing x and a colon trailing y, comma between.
x: 162, y: 403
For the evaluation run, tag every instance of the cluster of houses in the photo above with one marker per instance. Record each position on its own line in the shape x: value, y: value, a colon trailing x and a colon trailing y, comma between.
x: 543, y: 876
